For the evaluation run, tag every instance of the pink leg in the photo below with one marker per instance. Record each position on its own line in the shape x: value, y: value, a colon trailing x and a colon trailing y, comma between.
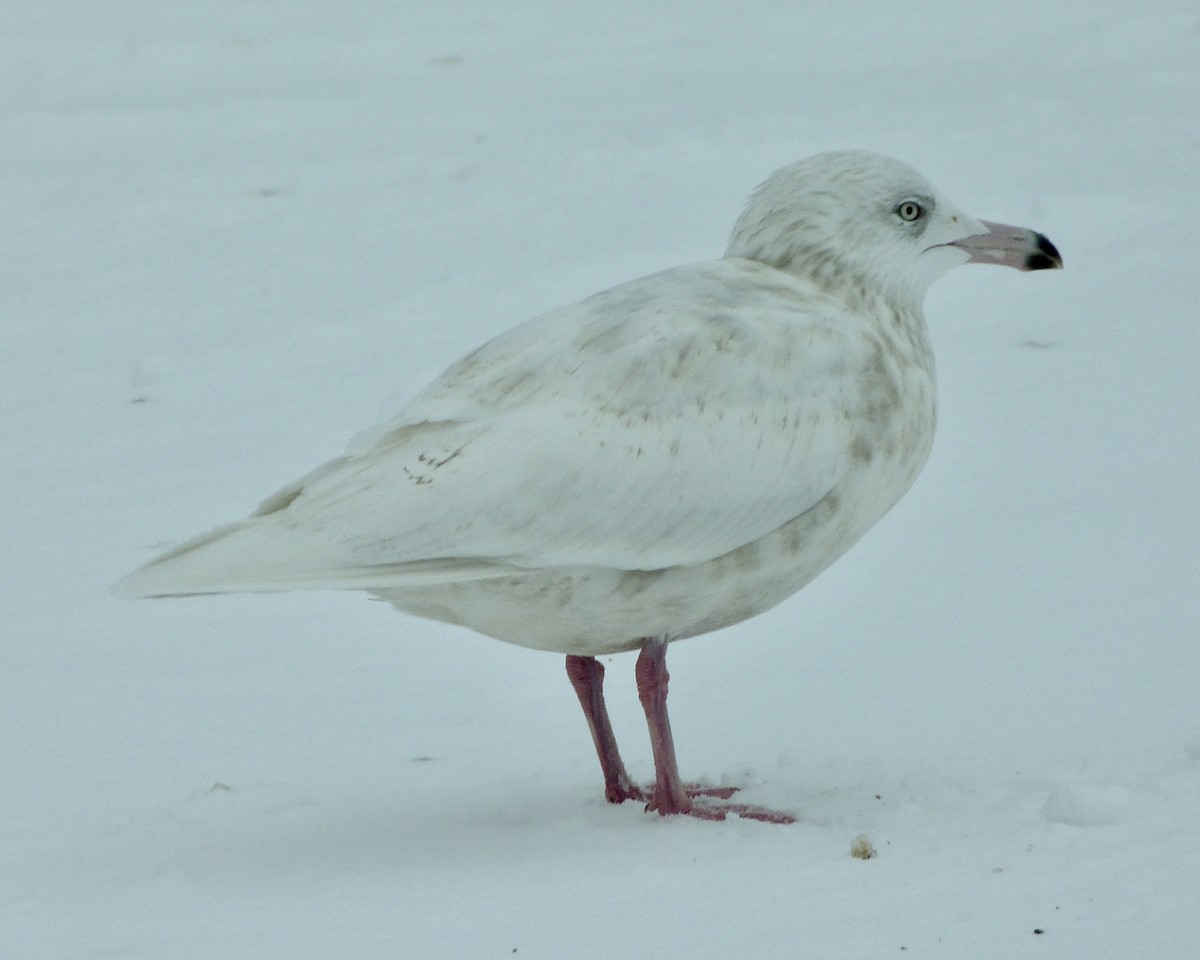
x: 671, y: 795
x: 652, y: 677
x: 587, y: 677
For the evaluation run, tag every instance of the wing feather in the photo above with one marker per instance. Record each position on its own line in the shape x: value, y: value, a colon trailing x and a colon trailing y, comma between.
x: 661, y: 423
x: 650, y: 426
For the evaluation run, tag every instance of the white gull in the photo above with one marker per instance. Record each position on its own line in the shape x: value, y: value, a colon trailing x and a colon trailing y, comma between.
x: 665, y: 458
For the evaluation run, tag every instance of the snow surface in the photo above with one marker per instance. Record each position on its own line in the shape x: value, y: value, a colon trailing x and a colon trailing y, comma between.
x: 233, y: 234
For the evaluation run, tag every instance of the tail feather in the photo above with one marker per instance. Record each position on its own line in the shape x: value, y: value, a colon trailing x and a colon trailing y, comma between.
x: 262, y: 556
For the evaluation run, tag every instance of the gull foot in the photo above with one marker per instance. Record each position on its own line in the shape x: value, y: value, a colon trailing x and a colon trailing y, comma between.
x: 623, y: 790
x: 747, y: 811
x: 696, y: 802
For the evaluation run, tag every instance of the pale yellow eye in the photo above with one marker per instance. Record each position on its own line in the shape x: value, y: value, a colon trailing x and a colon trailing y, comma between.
x: 910, y: 210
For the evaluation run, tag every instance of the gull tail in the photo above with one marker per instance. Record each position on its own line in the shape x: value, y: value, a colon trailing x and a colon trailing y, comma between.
x: 261, y: 555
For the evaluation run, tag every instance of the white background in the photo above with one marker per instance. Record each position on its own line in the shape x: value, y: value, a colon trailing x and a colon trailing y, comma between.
x: 234, y: 234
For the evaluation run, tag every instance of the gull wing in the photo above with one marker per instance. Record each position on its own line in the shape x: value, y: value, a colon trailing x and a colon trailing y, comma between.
x: 660, y: 423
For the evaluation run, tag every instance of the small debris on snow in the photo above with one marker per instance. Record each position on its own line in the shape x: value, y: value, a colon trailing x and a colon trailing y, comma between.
x: 861, y: 848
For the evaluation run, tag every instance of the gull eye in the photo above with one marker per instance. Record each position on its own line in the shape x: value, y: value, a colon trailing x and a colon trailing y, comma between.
x: 910, y: 210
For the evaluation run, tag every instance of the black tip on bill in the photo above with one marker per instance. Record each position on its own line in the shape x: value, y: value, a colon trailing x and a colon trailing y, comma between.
x: 1047, y: 257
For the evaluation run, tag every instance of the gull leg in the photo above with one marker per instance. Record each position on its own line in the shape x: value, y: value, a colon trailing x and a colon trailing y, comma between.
x: 671, y: 795
x: 652, y: 677
x: 587, y: 677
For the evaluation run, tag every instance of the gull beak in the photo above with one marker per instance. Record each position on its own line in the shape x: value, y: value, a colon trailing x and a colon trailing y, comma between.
x: 1013, y: 247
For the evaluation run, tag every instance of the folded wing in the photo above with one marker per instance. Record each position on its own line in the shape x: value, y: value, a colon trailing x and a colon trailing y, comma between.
x: 658, y: 424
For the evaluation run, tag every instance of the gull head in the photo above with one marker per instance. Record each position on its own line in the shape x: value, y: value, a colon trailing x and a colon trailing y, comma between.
x: 864, y: 226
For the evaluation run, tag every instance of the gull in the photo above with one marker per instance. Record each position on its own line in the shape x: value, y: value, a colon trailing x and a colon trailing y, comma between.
x: 660, y: 460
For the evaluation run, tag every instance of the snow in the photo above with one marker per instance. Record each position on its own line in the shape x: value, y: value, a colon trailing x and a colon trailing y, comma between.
x: 234, y: 234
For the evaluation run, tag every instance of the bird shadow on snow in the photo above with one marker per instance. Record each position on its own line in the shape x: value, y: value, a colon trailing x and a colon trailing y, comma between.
x: 270, y: 831
x: 261, y: 832
x: 498, y: 823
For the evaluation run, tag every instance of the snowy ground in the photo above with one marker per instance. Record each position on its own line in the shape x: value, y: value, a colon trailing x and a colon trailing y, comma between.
x: 234, y: 234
